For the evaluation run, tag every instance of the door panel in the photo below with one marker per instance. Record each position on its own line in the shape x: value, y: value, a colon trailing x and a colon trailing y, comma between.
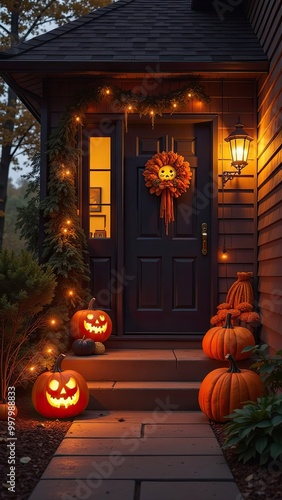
x: 169, y: 289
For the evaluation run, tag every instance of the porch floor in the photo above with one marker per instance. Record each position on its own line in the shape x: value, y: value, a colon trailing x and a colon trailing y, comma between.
x: 138, y: 455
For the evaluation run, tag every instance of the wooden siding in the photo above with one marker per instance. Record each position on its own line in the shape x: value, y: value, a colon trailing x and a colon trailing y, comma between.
x: 265, y: 16
x: 237, y: 203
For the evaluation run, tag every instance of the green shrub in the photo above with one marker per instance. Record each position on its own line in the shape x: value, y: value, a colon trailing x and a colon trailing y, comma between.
x: 255, y: 431
x: 26, y: 289
x: 268, y: 367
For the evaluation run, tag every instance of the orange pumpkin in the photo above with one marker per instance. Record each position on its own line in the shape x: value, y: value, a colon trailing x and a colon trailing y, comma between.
x: 222, y: 340
x: 5, y: 409
x: 91, y: 323
x: 60, y: 393
x: 222, y: 391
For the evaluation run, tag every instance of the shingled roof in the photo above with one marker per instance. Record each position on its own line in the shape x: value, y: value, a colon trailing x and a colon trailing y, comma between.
x: 145, y: 30
x: 127, y: 37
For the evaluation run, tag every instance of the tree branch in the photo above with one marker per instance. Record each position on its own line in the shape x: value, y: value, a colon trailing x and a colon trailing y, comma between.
x: 36, y: 21
x: 20, y: 141
x: 5, y: 29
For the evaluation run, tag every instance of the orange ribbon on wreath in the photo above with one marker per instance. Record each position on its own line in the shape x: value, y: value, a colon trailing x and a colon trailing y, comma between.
x: 167, y: 175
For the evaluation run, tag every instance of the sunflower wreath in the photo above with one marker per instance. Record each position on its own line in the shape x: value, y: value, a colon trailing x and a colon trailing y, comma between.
x: 167, y: 175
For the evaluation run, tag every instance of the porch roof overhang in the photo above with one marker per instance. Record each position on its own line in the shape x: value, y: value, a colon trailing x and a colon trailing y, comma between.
x: 27, y: 78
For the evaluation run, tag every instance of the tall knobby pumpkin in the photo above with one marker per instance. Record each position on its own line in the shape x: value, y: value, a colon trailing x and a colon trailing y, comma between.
x: 222, y: 340
x: 222, y: 391
x: 60, y: 393
x: 91, y: 323
x: 241, y: 290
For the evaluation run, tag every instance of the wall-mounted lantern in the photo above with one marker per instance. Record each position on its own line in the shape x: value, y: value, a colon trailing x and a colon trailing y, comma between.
x: 239, y: 141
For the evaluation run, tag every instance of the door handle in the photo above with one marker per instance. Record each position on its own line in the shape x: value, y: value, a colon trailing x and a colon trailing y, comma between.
x: 204, y: 238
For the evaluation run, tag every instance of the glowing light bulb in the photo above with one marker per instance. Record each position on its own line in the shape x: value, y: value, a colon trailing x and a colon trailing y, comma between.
x: 49, y: 350
x: 174, y: 105
x: 108, y: 91
x: 67, y: 172
x: 224, y: 255
x: 152, y: 113
x: 68, y: 222
x: 77, y: 119
x: 65, y: 230
x: 53, y: 321
x: 70, y: 293
x: 189, y: 95
x: 129, y: 108
x: 32, y: 368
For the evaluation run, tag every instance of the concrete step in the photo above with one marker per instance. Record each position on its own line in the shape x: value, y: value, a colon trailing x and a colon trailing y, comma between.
x: 145, y: 379
x: 154, y: 395
x: 146, y: 365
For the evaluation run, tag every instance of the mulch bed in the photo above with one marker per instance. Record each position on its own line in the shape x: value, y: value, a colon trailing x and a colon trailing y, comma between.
x: 253, y: 481
x: 38, y: 439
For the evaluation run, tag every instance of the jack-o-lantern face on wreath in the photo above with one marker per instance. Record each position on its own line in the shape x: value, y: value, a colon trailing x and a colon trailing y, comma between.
x: 167, y: 175
x: 91, y: 323
x: 60, y: 393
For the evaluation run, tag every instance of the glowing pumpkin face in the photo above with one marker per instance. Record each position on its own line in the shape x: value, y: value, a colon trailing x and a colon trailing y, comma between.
x: 167, y: 173
x: 100, y: 323
x: 60, y: 394
x: 93, y: 324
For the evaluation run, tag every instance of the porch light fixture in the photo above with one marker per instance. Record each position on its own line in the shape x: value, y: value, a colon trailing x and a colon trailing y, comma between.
x: 239, y: 141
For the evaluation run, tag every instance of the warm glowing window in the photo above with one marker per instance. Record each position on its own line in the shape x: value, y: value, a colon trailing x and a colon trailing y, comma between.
x: 100, y: 187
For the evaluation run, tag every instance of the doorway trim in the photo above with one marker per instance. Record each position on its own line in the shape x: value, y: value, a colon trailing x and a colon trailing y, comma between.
x: 118, y: 340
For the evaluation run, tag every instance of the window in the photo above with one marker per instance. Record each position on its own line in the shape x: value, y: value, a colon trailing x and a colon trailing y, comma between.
x: 100, y: 187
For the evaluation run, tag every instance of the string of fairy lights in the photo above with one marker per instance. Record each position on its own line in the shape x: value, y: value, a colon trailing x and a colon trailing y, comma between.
x: 145, y: 104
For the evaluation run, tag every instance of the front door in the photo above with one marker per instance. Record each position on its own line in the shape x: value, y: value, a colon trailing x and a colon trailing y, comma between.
x: 168, y: 289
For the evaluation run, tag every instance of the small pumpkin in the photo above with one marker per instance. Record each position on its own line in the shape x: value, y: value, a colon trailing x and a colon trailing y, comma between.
x: 60, y: 393
x: 5, y: 408
x: 83, y: 347
x: 222, y: 391
x: 222, y: 340
x: 99, y: 348
x: 91, y: 323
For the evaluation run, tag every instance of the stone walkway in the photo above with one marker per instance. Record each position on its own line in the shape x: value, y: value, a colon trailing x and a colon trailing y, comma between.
x: 138, y: 455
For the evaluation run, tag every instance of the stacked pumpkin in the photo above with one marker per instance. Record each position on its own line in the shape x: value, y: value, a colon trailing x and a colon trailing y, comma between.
x: 228, y: 339
x: 223, y: 390
x: 90, y: 328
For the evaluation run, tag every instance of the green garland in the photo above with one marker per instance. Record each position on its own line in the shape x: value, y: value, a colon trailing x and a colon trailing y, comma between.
x: 65, y: 247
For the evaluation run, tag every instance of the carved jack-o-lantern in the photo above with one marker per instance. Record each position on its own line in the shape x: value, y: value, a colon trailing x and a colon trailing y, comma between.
x: 91, y: 323
x: 167, y: 173
x: 60, y: 393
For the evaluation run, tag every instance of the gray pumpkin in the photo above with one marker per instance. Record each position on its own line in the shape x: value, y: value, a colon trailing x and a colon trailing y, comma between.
x: 83, y: 347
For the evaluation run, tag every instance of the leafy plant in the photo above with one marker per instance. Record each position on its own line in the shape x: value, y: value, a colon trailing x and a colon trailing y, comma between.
x: 268, y: 367
x: 26, y: 289
x: 255, y: 431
